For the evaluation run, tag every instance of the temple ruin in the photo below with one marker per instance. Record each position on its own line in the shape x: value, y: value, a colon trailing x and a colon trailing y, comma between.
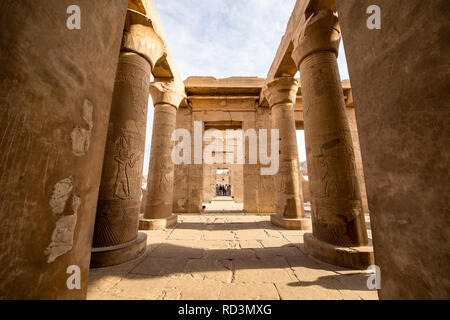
x: 72, y: 140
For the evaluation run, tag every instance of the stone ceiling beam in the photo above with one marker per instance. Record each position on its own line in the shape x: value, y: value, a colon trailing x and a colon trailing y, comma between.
x: 283, y: 65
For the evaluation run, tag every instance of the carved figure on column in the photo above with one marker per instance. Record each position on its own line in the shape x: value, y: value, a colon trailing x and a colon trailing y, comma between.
x: 116, y: 237
x: 337, y: 218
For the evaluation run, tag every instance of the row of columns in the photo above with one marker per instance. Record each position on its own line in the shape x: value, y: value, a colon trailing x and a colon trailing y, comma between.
x: 339, y: 232
x: 337, y: 216
x: 116, y: 237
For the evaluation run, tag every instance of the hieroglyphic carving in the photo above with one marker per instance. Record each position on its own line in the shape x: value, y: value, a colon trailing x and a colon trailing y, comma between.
x: 124, y: 160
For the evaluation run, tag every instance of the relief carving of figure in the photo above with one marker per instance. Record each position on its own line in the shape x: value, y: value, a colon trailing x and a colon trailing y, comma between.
x: 124, y: 160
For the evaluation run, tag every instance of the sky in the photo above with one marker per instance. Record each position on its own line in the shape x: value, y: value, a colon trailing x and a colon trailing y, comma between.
x: 224, y: 38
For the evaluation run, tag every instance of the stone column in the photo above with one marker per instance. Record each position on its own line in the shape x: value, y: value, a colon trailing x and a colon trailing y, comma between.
x: 181, y: 171
x: 195, y: 195
x: 116, y: 238
x: 400, y: 84
x: 350, y: 108
x: 250, y: 171
x: 167, y: 97
x: 339, y: 232
x: 56, y: 86
x: 281, y: 95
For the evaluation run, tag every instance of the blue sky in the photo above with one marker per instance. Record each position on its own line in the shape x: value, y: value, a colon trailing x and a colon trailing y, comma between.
x: 224, y: 38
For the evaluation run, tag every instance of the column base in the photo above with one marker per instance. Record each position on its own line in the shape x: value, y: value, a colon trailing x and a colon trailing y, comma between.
x: 157, y: 224
x: 291, y: 224
x: 111, y: 256
x: 359, y: 258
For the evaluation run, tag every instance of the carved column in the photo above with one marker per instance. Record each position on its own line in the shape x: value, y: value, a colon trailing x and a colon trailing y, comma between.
x: 281, y: 95
x: 350, y: 108
x: 337, y: 218
x: 116, y: 237
x: 181, y: 171
x: 158, y: 214
x: 55, y: 99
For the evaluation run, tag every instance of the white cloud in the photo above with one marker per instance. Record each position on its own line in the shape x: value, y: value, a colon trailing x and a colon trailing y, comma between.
x: 224, y: 38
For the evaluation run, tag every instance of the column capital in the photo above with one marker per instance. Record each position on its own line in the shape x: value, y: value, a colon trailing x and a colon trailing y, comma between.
x: 141, y: 37
x: 321, y: 32
x: 170, y: 92
x: 281, y: 90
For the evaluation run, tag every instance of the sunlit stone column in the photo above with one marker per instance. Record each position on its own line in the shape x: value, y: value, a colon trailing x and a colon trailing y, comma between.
x: 56, y: 86
x: 350, y: 108
x: 339, y: 231
x: 281, y: 95
x: 158, y: 214
x: 116, y: 237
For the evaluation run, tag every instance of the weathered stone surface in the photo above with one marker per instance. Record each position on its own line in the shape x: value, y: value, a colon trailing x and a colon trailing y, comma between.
x: 218, y: 235
x: 193, y: 289
x: 227, y: 270
x: 118, y: 254
x: 233, y: 253
x: 140, y: 287
x: 337, y: 216
x: 232, y: 103
x: 219, y: 270
x: 55, y: 97
x: 360, y: 257
x: 272, y: 269
x: 292, y: 224
x: 157, y: 224
x: 251, y: 234
x: 118, y: 207
x: 350, y: 108
x: 167, y: 97
x: 404, y: 131
x: 284, y: 251
x: 243, y: 291
x: 177, y: 249
x: 281, y: 95
x: 161, y: 267
x: 186, y: 234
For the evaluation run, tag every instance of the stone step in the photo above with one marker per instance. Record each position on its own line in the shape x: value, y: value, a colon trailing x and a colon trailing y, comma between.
x: 222, y: 199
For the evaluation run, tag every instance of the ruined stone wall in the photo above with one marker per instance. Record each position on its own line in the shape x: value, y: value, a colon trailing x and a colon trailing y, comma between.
x: 194, y: 184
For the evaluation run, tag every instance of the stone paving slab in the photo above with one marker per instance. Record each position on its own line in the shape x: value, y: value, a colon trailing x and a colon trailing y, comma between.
x: 139, y: 287
x: 262, y: 271
x: 192, y: 289
x: 208, y: 257
x: 244, y: 291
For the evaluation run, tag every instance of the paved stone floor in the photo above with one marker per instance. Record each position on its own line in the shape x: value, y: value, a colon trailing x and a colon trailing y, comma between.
x: 209, y: 257
x: 222, y: 205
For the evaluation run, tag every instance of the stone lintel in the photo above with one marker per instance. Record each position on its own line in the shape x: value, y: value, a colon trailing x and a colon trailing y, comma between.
x: 283, y: 64
x: 167, y: 92
x: 200, y: 88
x: 281, y: 90
x: 321, y: 32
